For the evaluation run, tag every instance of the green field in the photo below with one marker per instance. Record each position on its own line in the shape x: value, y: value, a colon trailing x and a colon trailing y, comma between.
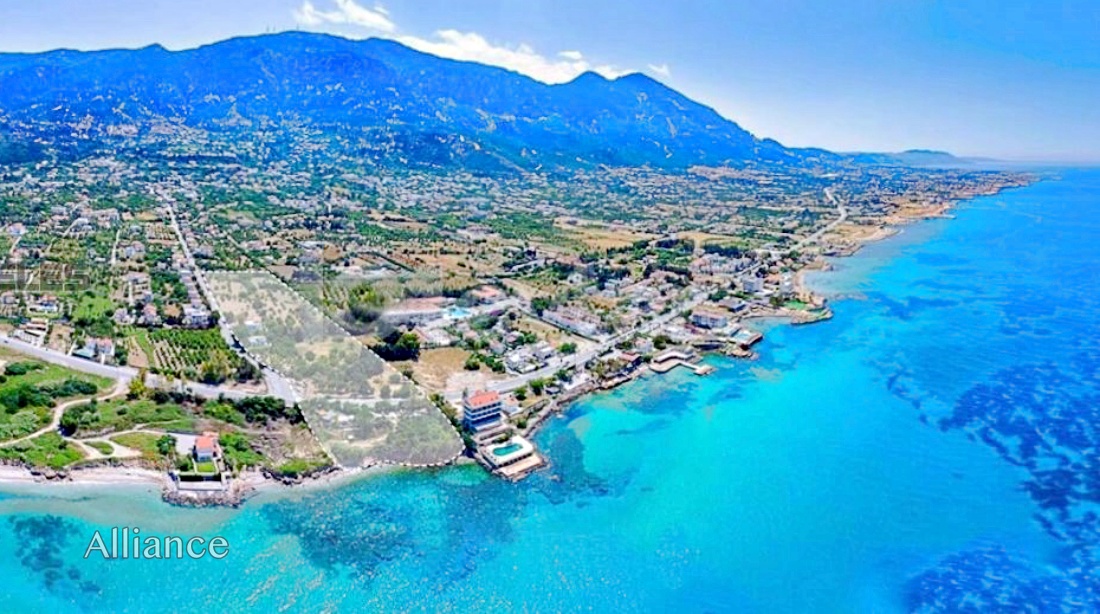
x: 91, y: 308
x: 29, y: 389
x: 146, y: 443
x: 238, y: 451
x: 47, y: 374
x: 141, y: 338
x: 121, y: 415
x: 101, y: 446
x: 48, y: 450
x: 206, y: 467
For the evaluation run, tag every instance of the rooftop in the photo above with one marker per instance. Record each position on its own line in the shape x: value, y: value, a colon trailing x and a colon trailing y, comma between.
x: 483, y: 398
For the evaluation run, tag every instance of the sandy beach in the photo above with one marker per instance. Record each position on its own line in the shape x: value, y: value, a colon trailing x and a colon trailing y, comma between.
x: 103, y: 476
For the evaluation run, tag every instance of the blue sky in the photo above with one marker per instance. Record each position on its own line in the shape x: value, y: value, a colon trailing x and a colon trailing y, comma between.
x: 1002, y: 78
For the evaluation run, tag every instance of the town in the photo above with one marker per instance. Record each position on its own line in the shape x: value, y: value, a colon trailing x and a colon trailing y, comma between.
x: 501, y: 297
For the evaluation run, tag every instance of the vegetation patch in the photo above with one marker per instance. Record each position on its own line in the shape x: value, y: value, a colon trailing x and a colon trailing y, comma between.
x: 239, y: 452
x: 200, y: 355
x: 48, y: 450
x: 123, y: 414
x: 146, y: 443
x: 29, y: 389
x: 101, y: 446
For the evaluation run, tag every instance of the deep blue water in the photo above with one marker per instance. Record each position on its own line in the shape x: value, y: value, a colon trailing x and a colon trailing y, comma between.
x: 931, y: 448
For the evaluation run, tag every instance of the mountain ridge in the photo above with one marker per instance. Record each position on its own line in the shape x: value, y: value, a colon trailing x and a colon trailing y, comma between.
x: 450, y: 111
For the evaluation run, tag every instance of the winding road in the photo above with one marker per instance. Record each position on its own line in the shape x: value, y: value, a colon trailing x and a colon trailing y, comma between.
x: 59, y: 410
x: 841, y: 209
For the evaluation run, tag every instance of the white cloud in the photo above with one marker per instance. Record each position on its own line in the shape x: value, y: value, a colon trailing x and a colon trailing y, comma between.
x: 473, y: 47
x: 660, y: 69
x: 456, y: 45
x: 346, y: 12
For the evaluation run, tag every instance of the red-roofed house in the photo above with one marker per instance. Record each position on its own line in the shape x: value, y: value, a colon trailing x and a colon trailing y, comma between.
x: 482, y: 410
x: 206, y: 445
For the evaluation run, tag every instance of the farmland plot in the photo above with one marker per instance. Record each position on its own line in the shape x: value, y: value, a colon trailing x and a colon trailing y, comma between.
x: 361, y: 409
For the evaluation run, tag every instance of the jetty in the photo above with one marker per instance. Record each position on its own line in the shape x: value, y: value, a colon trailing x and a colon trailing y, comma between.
x: 746, y: 337
x: 513, y: 459
x: 670, y: 359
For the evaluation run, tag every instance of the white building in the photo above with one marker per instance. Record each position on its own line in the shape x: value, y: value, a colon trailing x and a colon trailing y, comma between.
x: 482, y: 410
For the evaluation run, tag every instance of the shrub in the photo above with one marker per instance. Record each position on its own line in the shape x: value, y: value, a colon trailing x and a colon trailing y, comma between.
x: 22, y: 368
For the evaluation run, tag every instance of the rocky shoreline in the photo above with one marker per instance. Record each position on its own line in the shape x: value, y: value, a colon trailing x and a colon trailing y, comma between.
x: 239, y: 489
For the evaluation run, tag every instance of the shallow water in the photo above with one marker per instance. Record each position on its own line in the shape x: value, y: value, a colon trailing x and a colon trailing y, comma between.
x: 886, y: 460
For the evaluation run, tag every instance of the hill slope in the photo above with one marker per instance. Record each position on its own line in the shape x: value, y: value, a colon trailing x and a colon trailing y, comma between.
x: 443, y: 110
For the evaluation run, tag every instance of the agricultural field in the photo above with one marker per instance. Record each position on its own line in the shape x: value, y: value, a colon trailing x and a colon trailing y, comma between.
x: 199, y: 355
x: 599, y: 237
x: 360, y: 408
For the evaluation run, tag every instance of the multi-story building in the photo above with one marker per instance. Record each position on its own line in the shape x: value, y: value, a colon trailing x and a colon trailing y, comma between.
x: 709, y: 318
x: 482, y: 410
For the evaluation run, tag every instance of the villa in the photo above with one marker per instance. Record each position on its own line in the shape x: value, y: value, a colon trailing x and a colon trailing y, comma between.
x: 206, y: 447
x: 416, y: 311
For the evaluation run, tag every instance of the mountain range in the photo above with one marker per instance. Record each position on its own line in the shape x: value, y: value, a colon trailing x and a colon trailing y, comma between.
x: 425, y: 107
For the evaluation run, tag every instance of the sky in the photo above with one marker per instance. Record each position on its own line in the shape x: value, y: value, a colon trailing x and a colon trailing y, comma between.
x: 1000, y: 78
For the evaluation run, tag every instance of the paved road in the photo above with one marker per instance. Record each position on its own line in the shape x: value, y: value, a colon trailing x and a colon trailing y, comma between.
x: 71, y: 362
x: 815, y: 237
x: 276, y: 385
x: 583, y: 357
x: 125, y: 374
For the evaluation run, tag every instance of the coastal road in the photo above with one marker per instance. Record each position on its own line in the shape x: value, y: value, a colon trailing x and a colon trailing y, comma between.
x: 580, y: 358
x: 125, y: 374
x: 70, y: 362
x: 276, y: 385
x: 841, y: 209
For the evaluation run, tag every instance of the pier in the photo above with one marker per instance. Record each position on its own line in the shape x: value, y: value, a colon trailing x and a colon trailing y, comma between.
x: 669, y: 360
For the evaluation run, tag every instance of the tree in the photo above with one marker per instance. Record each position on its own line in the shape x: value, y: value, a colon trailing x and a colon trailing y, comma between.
x: 537, y: 386
x: 540, y: 304
x: 365, y: 304
x: 568, y: 348
x: 399, y: 346
x: 247, y: 371
x: 166, y: 445
x: 78, y: 416
x: 138, y: 389
x: 409, y: 344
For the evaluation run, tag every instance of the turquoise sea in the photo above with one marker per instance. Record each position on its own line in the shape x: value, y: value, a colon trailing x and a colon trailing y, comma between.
x: 934, y: 447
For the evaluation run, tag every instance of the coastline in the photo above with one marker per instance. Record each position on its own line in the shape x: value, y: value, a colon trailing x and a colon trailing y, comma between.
x: 892, y: 225
x: 255, y: 484
x: 247, y: 486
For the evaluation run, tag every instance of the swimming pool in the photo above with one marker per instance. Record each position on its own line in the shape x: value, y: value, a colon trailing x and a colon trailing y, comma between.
x: 508, y: 449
